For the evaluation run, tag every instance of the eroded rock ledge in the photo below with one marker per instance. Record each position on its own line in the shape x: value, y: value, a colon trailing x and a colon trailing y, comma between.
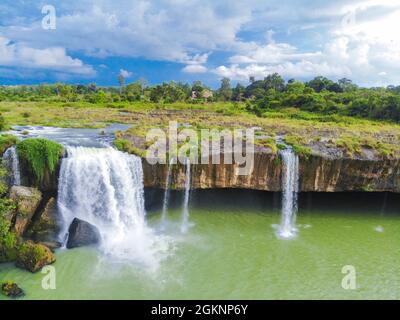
x: 317, y: 173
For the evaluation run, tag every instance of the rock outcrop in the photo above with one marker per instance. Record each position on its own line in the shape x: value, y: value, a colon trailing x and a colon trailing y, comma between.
x: 27, y: 201
x: 82, y: 233
x: 11, y: 290
x: 318, y: 173
x: 46, y: 226
x: 33, y: 256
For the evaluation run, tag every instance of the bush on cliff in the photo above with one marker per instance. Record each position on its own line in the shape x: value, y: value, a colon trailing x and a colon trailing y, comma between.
x: 6, y: 141
x: 8, y: 239
x: 39, y: 154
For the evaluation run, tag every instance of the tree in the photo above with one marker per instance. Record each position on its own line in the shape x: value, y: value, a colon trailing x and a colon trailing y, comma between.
x: 295, y: 87
x: 225, y: 91
x: 238, y: 93
x: 121, y: 82
x: 347, y: 85
x: 197, y: 89
x: 321, y: 83
x: 92, y: 87
x: 134, y: 91
x: 274, y: 81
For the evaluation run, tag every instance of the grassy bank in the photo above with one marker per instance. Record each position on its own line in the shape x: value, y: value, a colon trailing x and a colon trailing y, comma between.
x: 307, y: 131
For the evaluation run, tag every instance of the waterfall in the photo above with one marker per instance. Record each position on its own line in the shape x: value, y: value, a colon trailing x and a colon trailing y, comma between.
x: 185, y: 208
x: 167, y: 192
x: 10, y: 158
x: 104, y: 187
x: 290, y: 182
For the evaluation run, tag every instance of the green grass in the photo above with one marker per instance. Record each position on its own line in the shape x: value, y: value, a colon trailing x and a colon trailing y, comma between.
x: 298, y: 144
x: 6, y: 141
x: 39, y: 154
x: 309, y: 127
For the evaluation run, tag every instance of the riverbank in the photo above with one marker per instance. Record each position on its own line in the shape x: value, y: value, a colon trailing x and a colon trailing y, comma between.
x: 309, y: 133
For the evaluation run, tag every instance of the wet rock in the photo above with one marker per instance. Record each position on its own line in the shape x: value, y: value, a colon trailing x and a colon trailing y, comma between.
x: 82, y: 233
x: 52, y: 245
x: 27, y: 201
x: 7, y: 253
x: 33, y: 257
x: 46, y: 226
x: 330, y: 171
x: 11, y: 289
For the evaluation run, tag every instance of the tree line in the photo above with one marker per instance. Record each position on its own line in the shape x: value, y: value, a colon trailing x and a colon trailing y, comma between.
x: 319, y: 95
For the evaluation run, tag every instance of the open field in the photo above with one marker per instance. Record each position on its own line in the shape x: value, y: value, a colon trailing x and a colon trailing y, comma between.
x: 304, y: 130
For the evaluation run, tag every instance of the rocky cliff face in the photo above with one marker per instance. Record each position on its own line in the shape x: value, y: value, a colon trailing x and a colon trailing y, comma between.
x: 317, y: 173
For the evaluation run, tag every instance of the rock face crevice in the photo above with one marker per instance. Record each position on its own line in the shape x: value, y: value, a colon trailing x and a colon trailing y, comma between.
x: 318, y: 173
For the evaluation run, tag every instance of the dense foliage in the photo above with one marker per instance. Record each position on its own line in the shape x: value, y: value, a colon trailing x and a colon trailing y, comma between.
x: 320, y: 95
x: 7, y: 238
x: 39, y: 154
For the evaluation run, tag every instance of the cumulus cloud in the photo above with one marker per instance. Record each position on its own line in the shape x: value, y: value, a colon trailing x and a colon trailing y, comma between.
x: 194, y: 68
x: 125, y: 73
x: 344, y: 38
x: 365, y: 48
x: 161, y: 30
x: 54, y: 58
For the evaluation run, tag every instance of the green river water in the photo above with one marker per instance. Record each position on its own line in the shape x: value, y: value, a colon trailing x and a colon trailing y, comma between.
x: 232, y: 252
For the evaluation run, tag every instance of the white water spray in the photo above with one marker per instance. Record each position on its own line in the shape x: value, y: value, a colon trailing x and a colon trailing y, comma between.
x: 11, y: 160
x: 290, y: 186
x: 105, y: 188
x: 167, y: 192
x: 185, y: 209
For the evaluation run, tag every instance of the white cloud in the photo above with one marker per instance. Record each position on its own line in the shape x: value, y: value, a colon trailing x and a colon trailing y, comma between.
x: 177, y: 31
x: 54, y: 59
x: 194, y: 68
x: 367, y: 49
x: 315, y: 37
x: 125, y: 73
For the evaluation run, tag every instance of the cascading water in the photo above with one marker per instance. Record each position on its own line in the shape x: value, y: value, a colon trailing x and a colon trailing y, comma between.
x: 104, y: 187
x: 10, y: 158
x: 167, y: 192
x: 290, y: 182
x: 185, y: 209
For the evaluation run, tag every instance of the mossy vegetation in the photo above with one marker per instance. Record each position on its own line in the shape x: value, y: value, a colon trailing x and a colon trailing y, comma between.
x: 6, y: 141
x: 39, y: 154
x: 11, y: 289
x: 33, y: 256
x: 299, y: 144
x: 125, y: 145
x: 8, y: 239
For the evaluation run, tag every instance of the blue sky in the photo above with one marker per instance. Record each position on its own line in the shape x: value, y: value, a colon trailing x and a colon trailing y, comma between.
x: 162, y: 40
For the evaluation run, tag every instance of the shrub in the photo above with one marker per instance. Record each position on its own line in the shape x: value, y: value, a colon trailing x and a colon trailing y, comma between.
x: 6, y: 141
x: 39, y: 154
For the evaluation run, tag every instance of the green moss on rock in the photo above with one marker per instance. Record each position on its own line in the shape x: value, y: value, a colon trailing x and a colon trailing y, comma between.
x: 33, y: 257
x: 27, y: 201
x: 11, y: 289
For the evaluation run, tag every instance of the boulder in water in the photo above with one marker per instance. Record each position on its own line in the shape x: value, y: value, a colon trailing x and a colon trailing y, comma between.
x: 11, y: 289
x: 82, y: 233
x: 34, y: 256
